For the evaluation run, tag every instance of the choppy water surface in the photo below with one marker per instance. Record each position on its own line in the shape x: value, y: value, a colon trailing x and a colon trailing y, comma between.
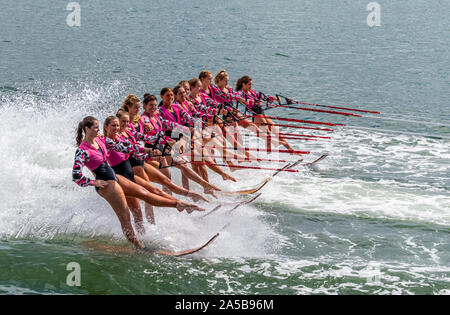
x: 374, y: 217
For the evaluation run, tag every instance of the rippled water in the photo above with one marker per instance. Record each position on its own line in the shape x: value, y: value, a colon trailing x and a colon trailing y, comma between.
x: 373, y: 217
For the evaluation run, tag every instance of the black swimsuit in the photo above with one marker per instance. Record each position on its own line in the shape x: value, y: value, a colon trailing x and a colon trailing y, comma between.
x: 258, y: 110
x: 104, y: 172
x: 125, y: 170
x: 135, y: 162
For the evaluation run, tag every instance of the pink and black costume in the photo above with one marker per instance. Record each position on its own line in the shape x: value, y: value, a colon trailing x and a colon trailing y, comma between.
x: 194, y: 112
x: 96, y: 160
x: 223, y: 97
x: 137, y: 133
x: 156, y: 125
x: 254, y: 101
x: 179, y: 115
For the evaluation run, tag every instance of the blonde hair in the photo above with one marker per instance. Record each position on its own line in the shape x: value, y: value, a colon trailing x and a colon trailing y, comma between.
x: 129, y: 101
x: 222, y: 74
x: 121, y: 112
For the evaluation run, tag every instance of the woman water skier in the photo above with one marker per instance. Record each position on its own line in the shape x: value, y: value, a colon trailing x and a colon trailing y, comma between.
x: 181, y: 98
x: 176, y: 114
x: 181, y: 95
x: 121, y: 164
x: 204, y: 103
x: 223, y: 93
x: 147, y: 171
x: 252, y: 101
x: 92, y: 152
x: 205, y: 78
x: 181, y: 92
x: 153, y: 123
x: 185, y: 84
x: 230, y: 118
x: 182, y: 102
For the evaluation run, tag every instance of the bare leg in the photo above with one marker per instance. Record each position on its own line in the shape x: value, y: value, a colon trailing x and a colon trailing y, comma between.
x: 115, y: 196
x: 221, y: 141
x: 150, y: 214
x: 131, y: 189
x: 185, y: 182
x: 152, y: 189
x: 156, y: 176
x: 260, y: 121
x: 213, y: 166
x: 164, y: 169
x: 135, y: 209
x: 193, y: 176
x: 276, y: 131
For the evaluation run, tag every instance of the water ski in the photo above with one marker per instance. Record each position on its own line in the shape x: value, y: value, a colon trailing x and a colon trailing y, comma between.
x: 235, y: 207
x: 187, y: 251
x: 245, y: 202
x: 264, y: 183
x: 102, y: 246
x: 313, y: 163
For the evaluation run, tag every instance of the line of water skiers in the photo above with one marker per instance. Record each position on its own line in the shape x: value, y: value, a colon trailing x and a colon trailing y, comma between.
x: 124, y: 168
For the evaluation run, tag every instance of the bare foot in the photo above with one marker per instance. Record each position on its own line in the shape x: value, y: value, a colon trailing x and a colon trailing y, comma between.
x: 231, y: 167
x: 225, y: 176
x: 210, y: 192
x: 289, y: 148
x: 189, y: 207
x: 197, y: 197
x: 211, y: 186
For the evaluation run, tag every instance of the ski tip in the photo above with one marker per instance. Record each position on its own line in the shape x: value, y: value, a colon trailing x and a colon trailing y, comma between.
x: 295, y: 163
x: 211, y: 211
x: 253, y: 198
x: 257, y: 196
x: 311, y: 164
x: 214, y: 237
x: 187, y: 251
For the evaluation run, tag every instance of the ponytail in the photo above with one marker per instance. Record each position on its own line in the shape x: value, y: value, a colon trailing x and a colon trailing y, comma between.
x: 86, y: 122
x: 222, y: 74
x: 79, y: 133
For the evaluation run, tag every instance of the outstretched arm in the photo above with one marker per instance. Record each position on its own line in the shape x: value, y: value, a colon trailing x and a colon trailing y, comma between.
x: 125, y: 146
x: 81, y: 157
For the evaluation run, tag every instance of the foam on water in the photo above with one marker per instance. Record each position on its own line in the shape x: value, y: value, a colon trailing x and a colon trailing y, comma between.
x: 41, y: 201
x: 38, y: 149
